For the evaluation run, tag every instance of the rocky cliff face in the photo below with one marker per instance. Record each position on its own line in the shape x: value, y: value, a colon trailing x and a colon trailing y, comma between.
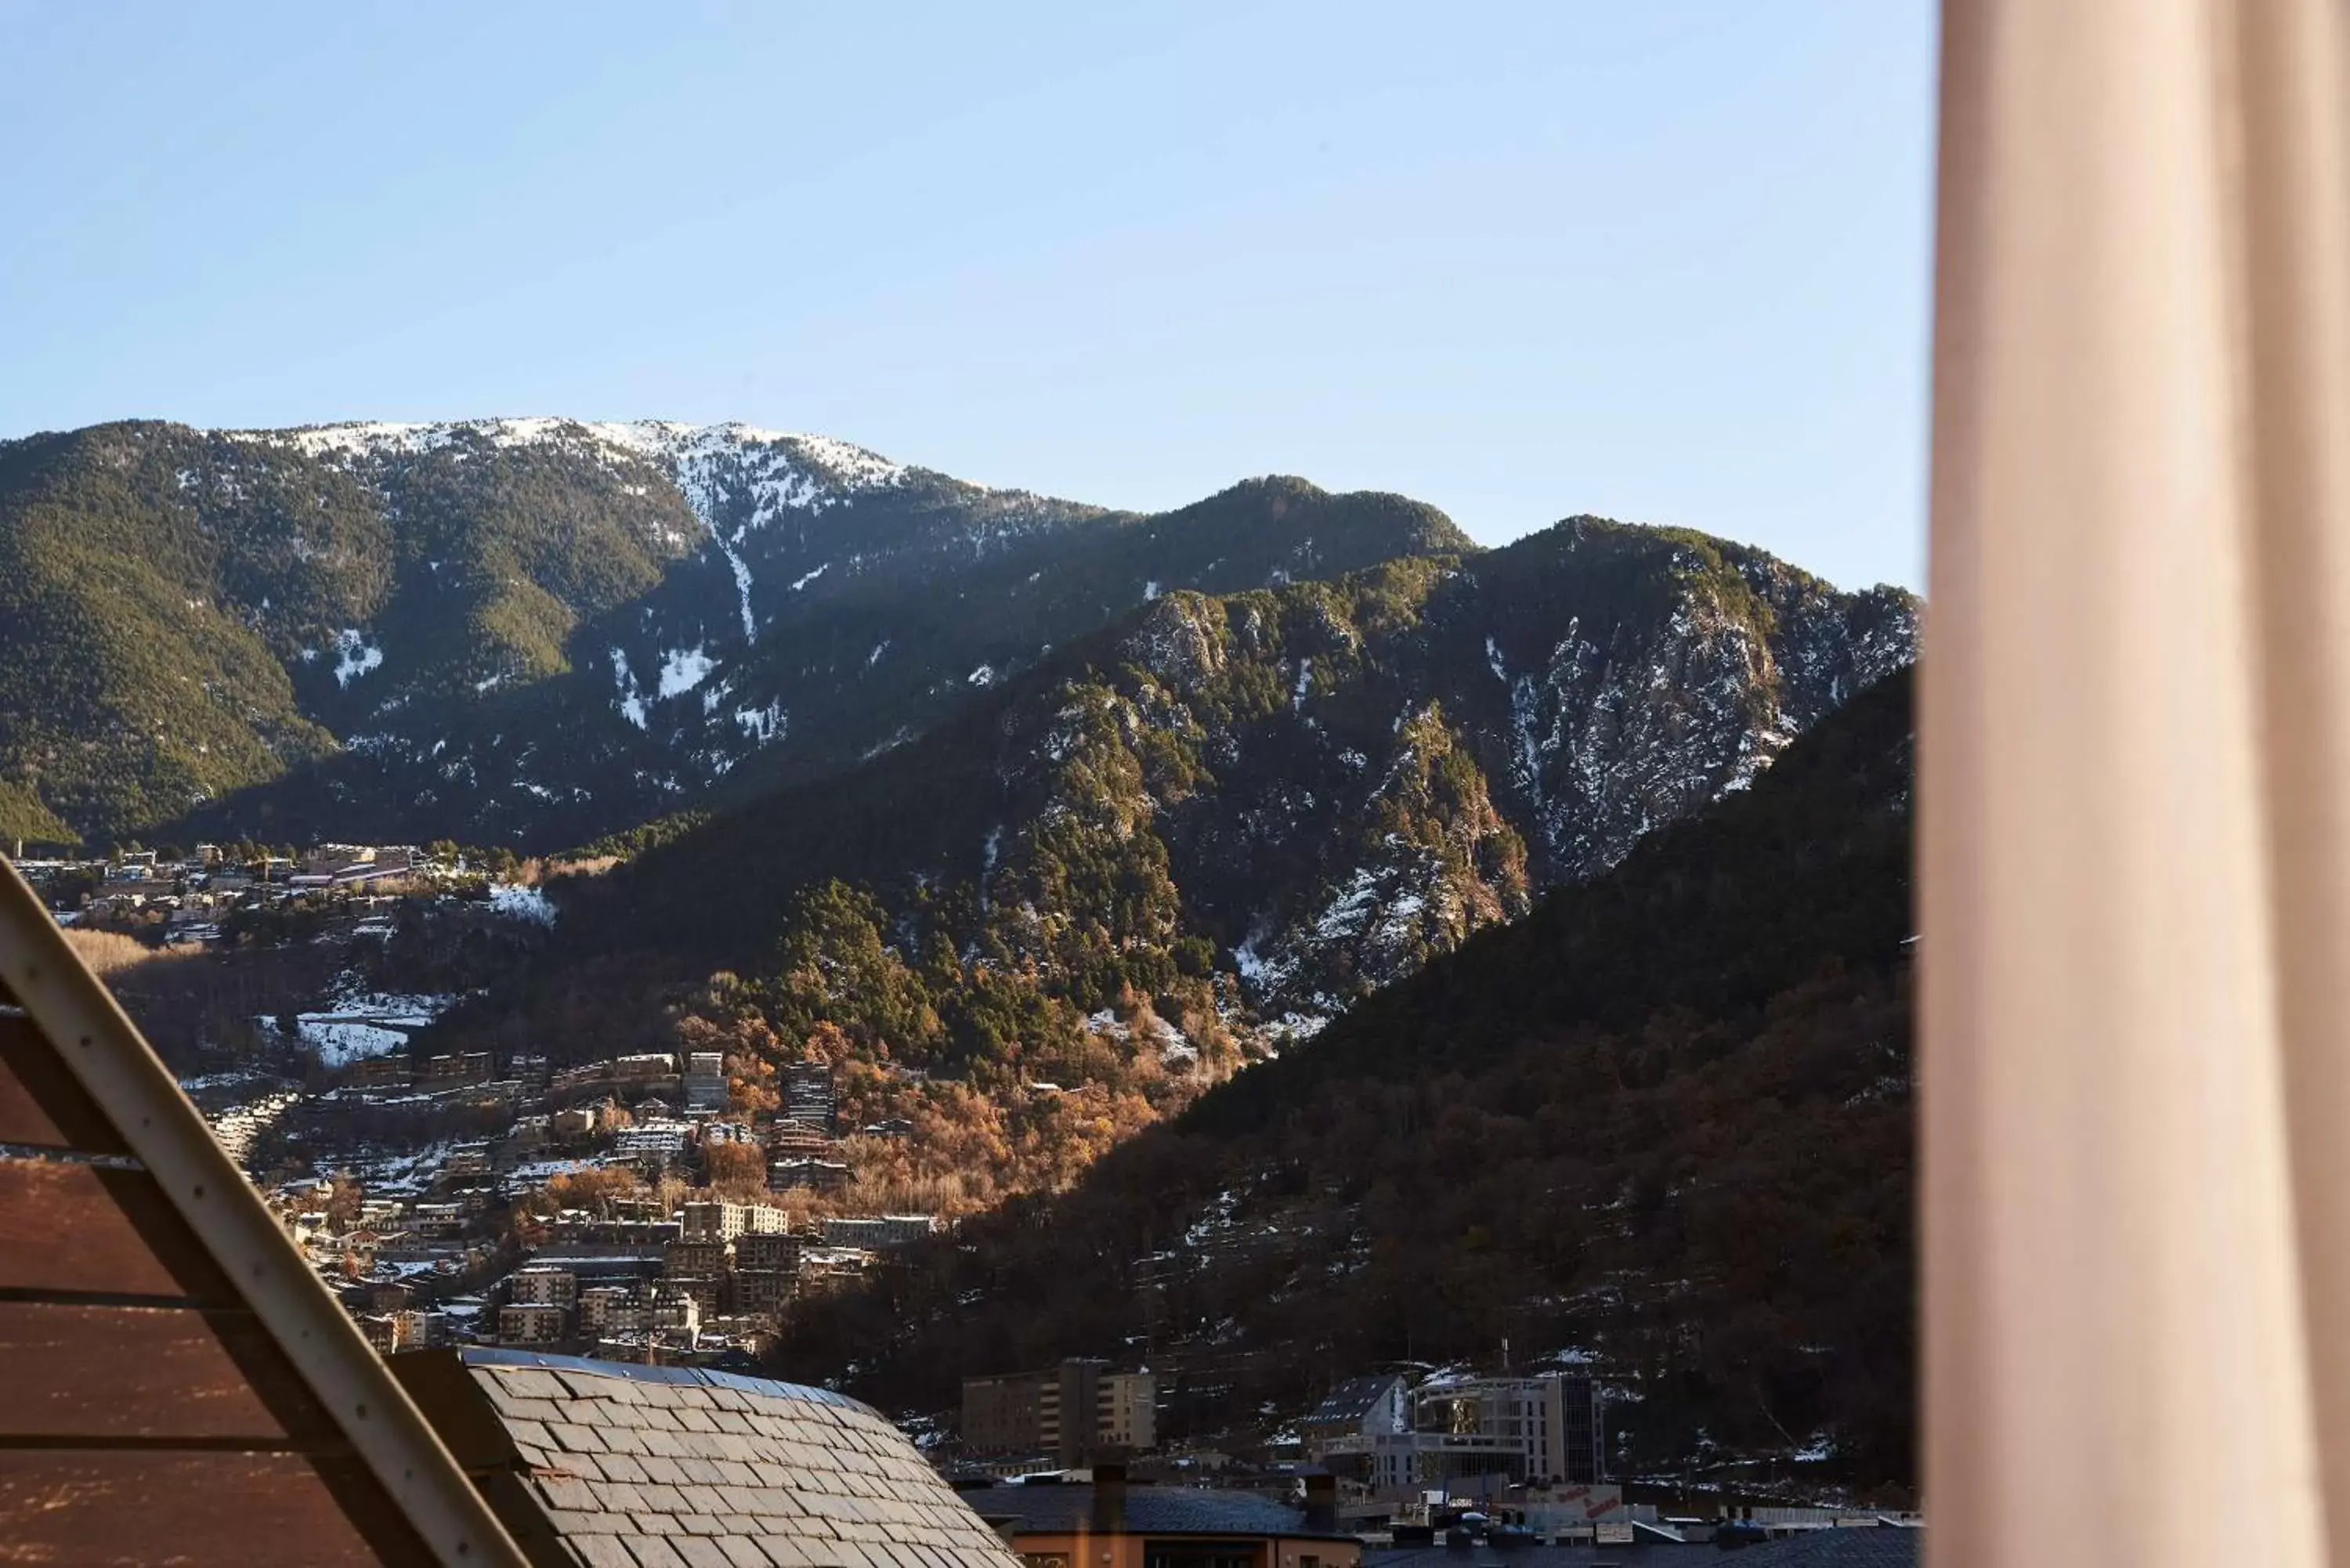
x: 1320, y: 784
x: 1460, y: 737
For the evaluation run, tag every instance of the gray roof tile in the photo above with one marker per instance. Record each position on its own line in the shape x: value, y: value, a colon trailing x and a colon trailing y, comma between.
x: 571, y: 1524
x: 564, y: 1492
x: 577, y: 1439
x: 524, y: 1382
x: 601, y: 1550
x: 652, y: 1552
x: 624, y: 1496
x: 675, y: 1467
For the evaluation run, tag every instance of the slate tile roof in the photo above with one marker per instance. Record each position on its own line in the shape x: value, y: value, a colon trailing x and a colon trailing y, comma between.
x: 633, y: 1467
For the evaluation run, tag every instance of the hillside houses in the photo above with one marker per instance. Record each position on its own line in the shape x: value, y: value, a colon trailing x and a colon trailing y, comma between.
x: 190, y: 896
x: 453, y: 1242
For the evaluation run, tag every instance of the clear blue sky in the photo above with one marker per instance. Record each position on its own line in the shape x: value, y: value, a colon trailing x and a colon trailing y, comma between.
x: 1666, y: 262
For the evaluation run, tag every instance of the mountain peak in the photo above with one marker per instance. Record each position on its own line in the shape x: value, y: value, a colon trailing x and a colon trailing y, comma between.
x: 668, y: 441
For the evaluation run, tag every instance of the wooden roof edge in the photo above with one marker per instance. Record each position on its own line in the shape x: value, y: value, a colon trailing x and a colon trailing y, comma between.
x: 121, y: 1073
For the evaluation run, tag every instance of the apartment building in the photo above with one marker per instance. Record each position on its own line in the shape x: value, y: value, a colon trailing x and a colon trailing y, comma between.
x: 699, y: 1268
x: 808, y: 1096
x: 542, y: 1286
x: 766, y: 1272
x: 1065, y: 1414
x: 878, y: 1232
x: 1551, y: 1424
x: 622, y: 1312
x: 1127, y: 1412
x: 608, y: 1309
x: 722, y: 1222
x: 531, y: 1323
x: 705, y: 1082
x: 815, y: 1175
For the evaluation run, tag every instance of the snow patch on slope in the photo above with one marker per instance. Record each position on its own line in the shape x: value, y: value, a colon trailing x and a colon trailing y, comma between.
x: 354, y: 656
x: 682, y: 669
x: 630, y: 702
x: 764, y: 724
x: 521, y: 903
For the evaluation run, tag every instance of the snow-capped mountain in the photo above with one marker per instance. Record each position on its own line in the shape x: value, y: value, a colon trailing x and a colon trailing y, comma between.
x: 535, y: 631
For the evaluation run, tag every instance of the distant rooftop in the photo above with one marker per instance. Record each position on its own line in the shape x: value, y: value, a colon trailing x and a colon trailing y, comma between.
x: 1864, y: 1548
x: 1353, y: 1399
x: 1651, y: 1555
x: 1062, y: 1508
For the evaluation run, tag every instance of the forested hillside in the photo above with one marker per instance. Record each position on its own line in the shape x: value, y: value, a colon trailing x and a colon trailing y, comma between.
x: 1180, y: 845
x: 534, y: 632
x: 1663, y: 1123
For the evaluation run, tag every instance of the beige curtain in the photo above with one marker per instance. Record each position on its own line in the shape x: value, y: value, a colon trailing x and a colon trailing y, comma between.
x: 2134, y: 832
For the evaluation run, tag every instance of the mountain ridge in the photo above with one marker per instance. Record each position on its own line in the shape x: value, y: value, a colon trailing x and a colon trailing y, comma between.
x: 1185, y: 842
x: 1658, y: 1129
x: 537, y: 631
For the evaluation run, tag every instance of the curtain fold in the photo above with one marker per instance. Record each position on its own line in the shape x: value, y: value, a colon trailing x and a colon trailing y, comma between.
x: 2134, y: 789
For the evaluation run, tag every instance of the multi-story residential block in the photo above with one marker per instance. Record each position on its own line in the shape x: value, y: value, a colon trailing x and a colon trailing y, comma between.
x: 768, y: 1250
x: 1065, y: 1414
x: 1551, y: 1424
x: 705, y: 1081
x: 1127, y: 1412
x: 722, y: 1222
x: 699, y: 1268
x: 674, y: 1311
x: 531, y: 1323
x: 766, y: 1272
x: 789, y: 1140
x: 1486, y: 1431
x: 654, y: 1141
x: 613, y: 1309
x: 878, y: 1231
x: 808, y: 1095
x: 817, y: 1175
x: 542, y: 1286
x: 395, y: 1330
x: 764, y: 1293
x: 437, y: 1218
